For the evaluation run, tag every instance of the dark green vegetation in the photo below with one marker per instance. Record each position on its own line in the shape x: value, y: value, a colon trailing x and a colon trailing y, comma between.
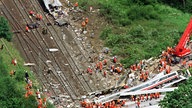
x: 140, y: 29
x: 5, y: 29
x: 12, y: 89
x: 179, y: 98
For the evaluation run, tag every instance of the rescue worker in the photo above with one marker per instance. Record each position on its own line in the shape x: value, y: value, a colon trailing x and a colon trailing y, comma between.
x: 44, y: 31
x: 39, y: 17
x: 142, y: 97
x: 151, y: 96
x: 44, y: 101
x: 86, y: 20
x: 76, y: 5
x: 12, y: 72
x: 138, y: 104
x: 117, y: 69
x: 32, y: 13
x: 100, y: 66
x: 113, y: 68
x: 26, y: 76
x: 83, y: 25
x: 147, y: 97
x: 28, y: 93
x: 40, y: 103
x: 14, y: 62
x: 168, y: 69
x: 114, y: 59
x: 132, y: 98
x: 30, y: 83
x: 38, y: 94
x: 104, y: 62
x: 105, y: 74
x: 184, y: 62
x: 27, y: 29
x: 89, y: 70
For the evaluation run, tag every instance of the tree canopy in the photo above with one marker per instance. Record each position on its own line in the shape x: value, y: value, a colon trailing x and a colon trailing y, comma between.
x: 5, y: 29
x: 179, y: 98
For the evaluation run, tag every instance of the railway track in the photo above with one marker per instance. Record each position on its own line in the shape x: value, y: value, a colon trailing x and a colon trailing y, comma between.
x: 76, y: 49
x: 29, y: 44
x: 59, y: 37
x: 64, y: 50
x: 43, y: 53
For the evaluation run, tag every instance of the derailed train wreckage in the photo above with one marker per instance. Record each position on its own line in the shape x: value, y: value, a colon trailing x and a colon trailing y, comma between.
x: 55, y: 9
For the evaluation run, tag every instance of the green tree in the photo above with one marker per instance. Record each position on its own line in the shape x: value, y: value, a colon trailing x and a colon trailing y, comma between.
x: 179, y: 98
x: 5, y: 29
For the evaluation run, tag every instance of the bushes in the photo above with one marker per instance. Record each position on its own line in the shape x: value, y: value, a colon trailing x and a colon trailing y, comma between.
x: 5, y: 29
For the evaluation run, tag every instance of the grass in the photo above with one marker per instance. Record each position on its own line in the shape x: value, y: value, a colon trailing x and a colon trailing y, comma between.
x: 139, y: 31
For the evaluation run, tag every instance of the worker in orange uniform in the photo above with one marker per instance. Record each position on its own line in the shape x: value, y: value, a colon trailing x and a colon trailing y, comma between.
x: 168, y: 69
x: 146, y: 96
x: 105, y: 74
x: 12, y: 72
x: 30, y: 83
x: 28, y: 93
x: 44, y: 101
x: 151, y: 96
x: 138, y: 104
x: 76, y: 5
x: 14, y: 62
x: 104, y: 62
x: 114, y: 59
x: 132, y: 98
x: 86, y: 20
x: 83, y: 25
x: 39, y: 17
x: 123, y: 103
x: 117, y: 69
x: 27, y: 29
x: 100, y: 66
x: 40, y: 103
x: 184, y: 63
x: 113, y: 68
x: 38, y: 94
x: 134, y: 67
x: 89, y: 70
x: 32, y: 13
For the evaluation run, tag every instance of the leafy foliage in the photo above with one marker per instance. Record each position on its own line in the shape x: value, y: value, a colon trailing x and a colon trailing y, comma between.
x: 5, y: 29
x: 184, y: 5
x: 179, y: 98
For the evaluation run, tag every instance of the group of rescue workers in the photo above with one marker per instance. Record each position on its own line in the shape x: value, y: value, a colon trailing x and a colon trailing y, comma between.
x: 101, y: 66
x: 28, y: 87
x: 142, y: 98
x: 37, y: 16
x: 112, y: 104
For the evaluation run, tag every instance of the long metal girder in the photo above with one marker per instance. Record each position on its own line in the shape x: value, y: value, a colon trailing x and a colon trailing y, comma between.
x: 144, y: 86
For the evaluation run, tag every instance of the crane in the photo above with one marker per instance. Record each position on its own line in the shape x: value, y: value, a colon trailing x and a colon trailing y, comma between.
x: 181, y: 49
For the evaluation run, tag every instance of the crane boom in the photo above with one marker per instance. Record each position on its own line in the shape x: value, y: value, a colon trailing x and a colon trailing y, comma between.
x: 180, y: 49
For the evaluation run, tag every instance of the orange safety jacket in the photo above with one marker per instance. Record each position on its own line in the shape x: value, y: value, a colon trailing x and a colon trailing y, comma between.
x: 86, y: 20
x: 105, y: 62
x: 31, y: 12
x: 83, y: 24
x: 114, y: 60
x: 27, y: 28
x: 76, y: 4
